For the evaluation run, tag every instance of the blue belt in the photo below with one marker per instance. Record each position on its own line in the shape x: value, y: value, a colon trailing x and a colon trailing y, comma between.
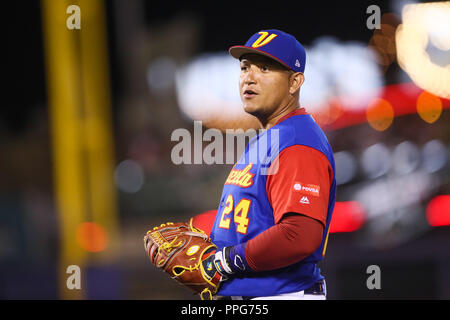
x: 317, y: 288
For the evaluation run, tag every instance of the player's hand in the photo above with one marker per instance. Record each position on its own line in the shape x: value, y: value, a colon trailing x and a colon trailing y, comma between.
x: 182, y: 251
x: 228, y: 262
x: 217, y: 265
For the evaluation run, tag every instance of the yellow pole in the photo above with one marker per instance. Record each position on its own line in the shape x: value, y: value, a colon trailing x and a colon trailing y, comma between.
x: 98, y: 122
x: 62, y: 66
x: 79, y: 105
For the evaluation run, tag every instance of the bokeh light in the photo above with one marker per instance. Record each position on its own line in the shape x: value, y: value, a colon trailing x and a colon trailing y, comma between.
x: 412, y: 38
x: 438, y: 211
x: 92, y: 237
x: 161, y: 74
x: 346, y: 167
x: 437, y: 20
x: 383, y: 40
x: 376, y: 160
x: 380, y: 114
x: 129, y: 176
x: 434, y: 154
x: 406, y: 157
x: 348, y: 216
x: 429, y: 107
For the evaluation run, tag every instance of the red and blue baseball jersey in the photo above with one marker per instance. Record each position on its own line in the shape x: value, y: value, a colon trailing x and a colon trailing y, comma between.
x: 246, y: 209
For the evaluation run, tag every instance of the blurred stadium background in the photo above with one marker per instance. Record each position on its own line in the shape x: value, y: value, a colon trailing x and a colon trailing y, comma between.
x: 87, y: 116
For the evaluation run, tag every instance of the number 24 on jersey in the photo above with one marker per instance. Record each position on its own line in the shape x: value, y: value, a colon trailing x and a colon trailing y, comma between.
x: 240, y: 217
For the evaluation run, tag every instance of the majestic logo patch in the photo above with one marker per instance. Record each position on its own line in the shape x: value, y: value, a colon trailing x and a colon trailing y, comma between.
x: 310, y: 189
x: 242, y: 178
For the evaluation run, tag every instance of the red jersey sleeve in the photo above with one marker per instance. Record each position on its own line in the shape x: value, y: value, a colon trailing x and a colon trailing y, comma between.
x: 300, y: 183
x: 205, y: 221
x: 292, y: 239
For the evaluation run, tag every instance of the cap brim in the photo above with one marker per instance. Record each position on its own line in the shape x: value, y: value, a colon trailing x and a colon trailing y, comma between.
x: 238, y: 51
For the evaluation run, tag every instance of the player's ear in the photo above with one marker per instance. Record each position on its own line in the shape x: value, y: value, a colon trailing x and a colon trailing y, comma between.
x: 296, y: 80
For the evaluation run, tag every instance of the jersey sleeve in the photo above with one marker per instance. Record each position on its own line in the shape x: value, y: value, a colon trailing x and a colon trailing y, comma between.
x: 300, y: 182
x: 292, y: 239
x: 205, y: 221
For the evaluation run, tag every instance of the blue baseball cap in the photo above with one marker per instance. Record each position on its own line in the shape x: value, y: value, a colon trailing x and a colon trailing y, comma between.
x: 277, y: 45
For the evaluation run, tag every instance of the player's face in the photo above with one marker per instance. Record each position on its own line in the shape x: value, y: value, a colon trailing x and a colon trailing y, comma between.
x: 263, y: 85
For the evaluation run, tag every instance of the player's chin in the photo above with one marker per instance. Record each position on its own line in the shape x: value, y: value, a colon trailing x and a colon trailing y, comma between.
x: 251, y: 108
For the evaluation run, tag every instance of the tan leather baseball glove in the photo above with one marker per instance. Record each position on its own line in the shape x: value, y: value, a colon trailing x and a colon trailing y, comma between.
x: 182, y: 251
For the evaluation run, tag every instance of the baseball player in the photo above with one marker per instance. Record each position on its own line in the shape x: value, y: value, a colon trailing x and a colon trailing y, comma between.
x: 271, y: 226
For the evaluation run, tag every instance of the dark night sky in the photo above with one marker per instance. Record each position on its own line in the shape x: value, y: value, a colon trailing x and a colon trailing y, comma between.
x: 223, y: 24
x: 23, y: 69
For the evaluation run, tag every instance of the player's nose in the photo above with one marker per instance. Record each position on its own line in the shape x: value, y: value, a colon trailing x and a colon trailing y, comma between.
x: 249, y: 77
